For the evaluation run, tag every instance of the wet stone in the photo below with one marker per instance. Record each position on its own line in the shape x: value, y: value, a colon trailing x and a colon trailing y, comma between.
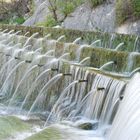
x: 88, y: 126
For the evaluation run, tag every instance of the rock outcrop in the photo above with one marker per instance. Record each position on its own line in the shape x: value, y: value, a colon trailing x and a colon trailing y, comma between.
x: 101, y: 18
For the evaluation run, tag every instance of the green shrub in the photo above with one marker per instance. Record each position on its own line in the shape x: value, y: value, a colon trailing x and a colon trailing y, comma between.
x: 136, y: 8
x: 127, y: 9
x: 19, y: 20
x: 49, y: 22
x: 68, y: 6
x: 95, y: 3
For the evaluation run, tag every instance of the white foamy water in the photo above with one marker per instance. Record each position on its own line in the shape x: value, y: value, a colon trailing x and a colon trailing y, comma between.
x: 71, y: 133
x: 24, y: 135
x: 126, y: 125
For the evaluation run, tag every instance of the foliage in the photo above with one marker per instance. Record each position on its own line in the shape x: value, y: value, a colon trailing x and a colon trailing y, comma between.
x: 127, y: 9
x: 13, y: 8
x: 136, y: 8
x: 60, y: 9
x: 19, y: 20
x: 95, y: 3
x: 49, y: 22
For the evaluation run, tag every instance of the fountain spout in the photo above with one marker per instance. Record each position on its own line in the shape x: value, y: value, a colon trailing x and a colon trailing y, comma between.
x: 77, y: 40
x: 5, y: 31
x: 47, y: 36
x: 12, y: 31
x: 135, y: 44
x: 49, y: 52
x: 17, y: 32
x: 54, y: 69
x: 64, y: 55
x: 83, y: 81
x: 134, y: 71
x: 28, y: 61
x: 84, y: 60
x: 67, y: 74
x: 95, y: 42
x: 38, y: 50
x: 121, y: 97
x: 26, y: 33
x: 28, y: 40
x: 10, y: 43
x: 106, y: 65
x: 61, y: 37
x: 119, y: 46
x: 100, y: 88
x: 28, y: 46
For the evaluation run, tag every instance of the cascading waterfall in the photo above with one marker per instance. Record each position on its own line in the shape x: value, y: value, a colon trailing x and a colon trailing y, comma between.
x: 17, y: 88
x: 7, y: 83
x: 41, y: 95
x: 33, y: 87
x: 41, y: 86
x: 126, y: 124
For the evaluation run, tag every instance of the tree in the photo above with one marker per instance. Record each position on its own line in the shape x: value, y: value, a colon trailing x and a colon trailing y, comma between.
x: 61, y: 9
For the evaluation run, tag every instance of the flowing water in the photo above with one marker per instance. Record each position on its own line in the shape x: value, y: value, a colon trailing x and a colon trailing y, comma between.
x: 43, y: 98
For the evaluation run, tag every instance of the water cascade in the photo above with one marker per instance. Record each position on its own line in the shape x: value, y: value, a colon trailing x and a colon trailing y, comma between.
x: 126, y: 123
x: 96, y: 42
x: 84, y: 60
x: 68, y: 92
x: 106, y: 65
x: 41, y: 95
x: 119, y: 46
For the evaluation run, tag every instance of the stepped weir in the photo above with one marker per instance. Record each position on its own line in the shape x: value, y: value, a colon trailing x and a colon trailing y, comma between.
x: 65, y: 84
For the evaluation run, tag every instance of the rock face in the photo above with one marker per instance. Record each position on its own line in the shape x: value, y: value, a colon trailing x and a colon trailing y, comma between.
x: 129, y: 28
x: 41, y: 11
x: 101, y: 18
x: 85, y: 18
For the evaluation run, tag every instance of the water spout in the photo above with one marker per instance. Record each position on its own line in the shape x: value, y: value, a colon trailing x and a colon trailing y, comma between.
x: 119, y: 46
x: 33, y: 87
x: 54, y: 69
x: 28, y: 40
x: 17, y: 32
x: 38, y: 50
x: 49, y: 52
x: 100, y: 88
x: 12, y: 31
x: 77, y: 40
x: 84, y: 60
x: 17, y: 88
x: 78, y: 52
x: 106, y: 65
x: 51, y: 82
x: 26, y: 33
x: 82, y: 81
x: 135, y: 44
x: 10, y: 74
x: 5, y: 31
x: 95, y: 42
x: 10, y: 43
x: 27, y: 47
x: 47, y: 36
x: 61, y: 37
x: 67, y: 74
x: 63, y: 94
x: 64, y: 55
x: 134, y: 71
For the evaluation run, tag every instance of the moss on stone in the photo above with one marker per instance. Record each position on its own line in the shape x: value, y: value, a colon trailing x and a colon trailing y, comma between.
x: 47, y: 134
x: 87, y: 36
x: 11, y: 125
